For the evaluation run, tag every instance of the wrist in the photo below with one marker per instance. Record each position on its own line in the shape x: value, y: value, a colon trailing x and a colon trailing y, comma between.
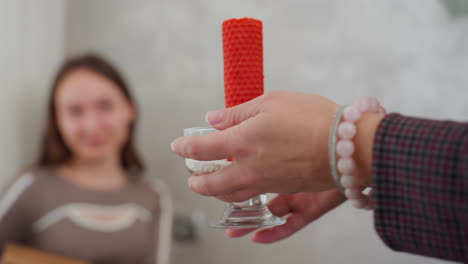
x: 366, y: 128
x: 355, y: 136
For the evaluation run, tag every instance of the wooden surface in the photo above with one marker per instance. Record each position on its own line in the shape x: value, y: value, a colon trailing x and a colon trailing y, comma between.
x: 15, y: 254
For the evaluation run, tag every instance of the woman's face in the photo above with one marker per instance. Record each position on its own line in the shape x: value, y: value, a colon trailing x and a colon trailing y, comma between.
x: 93, y: 115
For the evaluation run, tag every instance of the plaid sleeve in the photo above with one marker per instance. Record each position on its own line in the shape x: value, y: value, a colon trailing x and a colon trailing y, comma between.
x: 420, y: 178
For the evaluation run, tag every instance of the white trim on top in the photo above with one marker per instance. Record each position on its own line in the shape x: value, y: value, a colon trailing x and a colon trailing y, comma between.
x: 76, y: 212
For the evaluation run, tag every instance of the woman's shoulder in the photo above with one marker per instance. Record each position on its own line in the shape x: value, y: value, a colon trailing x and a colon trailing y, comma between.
x: 20, y: 182
x: 29, y: 179
x: 23, y: 190
x: 39, y: 176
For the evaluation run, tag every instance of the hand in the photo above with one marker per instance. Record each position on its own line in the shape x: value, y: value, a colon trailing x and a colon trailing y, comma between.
x: 303, y: 208
x: 278, y: 143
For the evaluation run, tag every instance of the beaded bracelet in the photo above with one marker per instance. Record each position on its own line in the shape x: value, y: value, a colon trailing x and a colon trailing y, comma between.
x: 344, y: 147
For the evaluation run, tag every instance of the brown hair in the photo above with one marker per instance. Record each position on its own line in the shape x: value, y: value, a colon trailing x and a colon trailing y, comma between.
x: 53, y: 150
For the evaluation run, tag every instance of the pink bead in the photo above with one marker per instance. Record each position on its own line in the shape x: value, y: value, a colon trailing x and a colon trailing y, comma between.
x: 360, y: 204
x: 347, y: 181
x: 346, y: 130
x: 351, y: 114
x: 373, y: 104
x: 381, y: 110
x: 345, y: 148
x: 345, y: 165
x: 362, y: 104
x: 354, y: 193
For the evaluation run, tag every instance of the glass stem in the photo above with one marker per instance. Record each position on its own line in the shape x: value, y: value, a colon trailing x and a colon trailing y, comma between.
x: 255, y: 202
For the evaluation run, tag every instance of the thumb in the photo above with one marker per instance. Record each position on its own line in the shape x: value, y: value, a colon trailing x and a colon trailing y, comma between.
x: 228, y: 117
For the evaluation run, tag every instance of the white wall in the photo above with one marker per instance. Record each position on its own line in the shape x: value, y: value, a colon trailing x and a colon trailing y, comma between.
x: 31, y: 46
x: 410, y: 54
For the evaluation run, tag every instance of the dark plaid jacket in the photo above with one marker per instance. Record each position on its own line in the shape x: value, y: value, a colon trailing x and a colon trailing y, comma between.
x: 420, y: 176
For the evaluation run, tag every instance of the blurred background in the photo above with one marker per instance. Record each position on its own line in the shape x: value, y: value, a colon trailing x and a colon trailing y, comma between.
x: 412, y: 55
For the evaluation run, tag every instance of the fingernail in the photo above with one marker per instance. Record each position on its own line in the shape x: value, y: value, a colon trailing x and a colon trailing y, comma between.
x: 214, y: 117
x: 173, y: 146
x: 190, y: 182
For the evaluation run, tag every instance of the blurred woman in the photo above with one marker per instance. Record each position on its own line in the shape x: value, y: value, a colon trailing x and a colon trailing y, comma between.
x: 86, y: 197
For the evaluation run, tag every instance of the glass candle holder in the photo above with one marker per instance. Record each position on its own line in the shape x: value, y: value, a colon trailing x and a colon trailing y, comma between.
x: 252, y: 213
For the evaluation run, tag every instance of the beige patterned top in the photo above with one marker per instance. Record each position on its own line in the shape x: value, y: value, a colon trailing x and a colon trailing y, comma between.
x: 44, y: 211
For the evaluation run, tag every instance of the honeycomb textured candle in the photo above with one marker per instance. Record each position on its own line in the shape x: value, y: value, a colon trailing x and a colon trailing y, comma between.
x: 243, y: 60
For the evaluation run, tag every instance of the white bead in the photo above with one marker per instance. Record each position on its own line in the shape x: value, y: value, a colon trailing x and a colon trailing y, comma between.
x: 346, y: 130
x: 351, y: 114
x: 354, y: 193
x: 347, y: 181
x: 345, y: 148
x: 345, y: 165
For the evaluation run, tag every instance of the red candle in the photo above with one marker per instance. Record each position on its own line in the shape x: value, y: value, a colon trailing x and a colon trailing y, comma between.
x: 243, y: 60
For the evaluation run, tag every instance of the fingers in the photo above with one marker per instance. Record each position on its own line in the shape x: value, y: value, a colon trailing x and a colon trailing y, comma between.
x: 221, y: 182
x: 213, y: 146
x: 225, y: 118
x: 241, y: 195
x: 279, y: 206
x: 293, y: 224
x: 238, y: 232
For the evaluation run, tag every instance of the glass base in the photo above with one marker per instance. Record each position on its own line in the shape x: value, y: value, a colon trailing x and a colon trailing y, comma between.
x: 225, y: 224
x: 240, y: 216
